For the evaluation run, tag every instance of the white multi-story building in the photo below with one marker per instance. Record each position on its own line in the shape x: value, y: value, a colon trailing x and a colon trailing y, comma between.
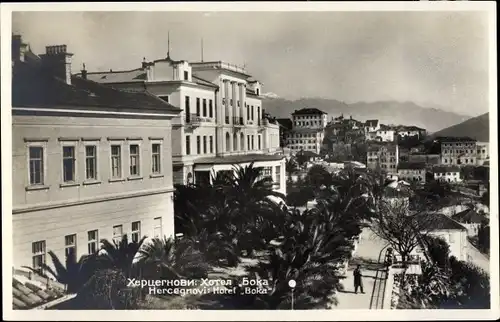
x: 411, y: 172
x: 385, y: 133
x: 89, y: 162
x: 483, y: 152
x: 221, y: 124
x: 308, y: 130
x: 458, y: 151
x: 447, y: 173
x: 383, y: 156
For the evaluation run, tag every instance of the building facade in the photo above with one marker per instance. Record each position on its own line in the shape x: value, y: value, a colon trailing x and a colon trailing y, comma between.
x: 383, y: 156
x: 458, y: 151
x: 385, y: 134
x: 412, y: 172
x: 73, y: 186
x: 483, y: 152
x: 447, y: 173
x: 308, y: 130
x: 221, y: 116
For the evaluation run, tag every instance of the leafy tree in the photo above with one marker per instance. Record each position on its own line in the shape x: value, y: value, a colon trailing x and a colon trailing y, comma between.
x: 318, y: 176
x: 108, y: 290
x: 471, y: 285
x: 168, y: 259
x: 483, y: 237
x: 119, y: 255
x: 291, y: 167
x: 438, y: 251
x: 74, y: 274
x: 302, y: 158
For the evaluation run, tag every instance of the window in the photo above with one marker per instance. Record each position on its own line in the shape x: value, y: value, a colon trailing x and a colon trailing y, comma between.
x: 278, y: 177
x: 259, y: 143
x: 248, y: 142
x: 248, y: 112
x: 228, y: 143
x: 253, y: 142
x: 187, y: 108
x: 188, y: 145
x: 242, y: 141
x: 198, y: 144
x: 157, y: 230
x: 70, y: 245
x: 252, y: 112
x: 68, y: 163
x: 204, y: 144
x: 186, y: 75
x: 211, y: 144
x: 116, y: 161
x: 210, y: 109
x: 165, y: 98
x: 267, y: 172
x: 136, y: 231
x: 134, y: 160
x: 156, y: 158
x: 36, y: 174
x: 90, y: 162
x: 204, y: 107
x: 38, y: 250
x: 93, y: 240
x: 117, y: 233
x: 197, y: 106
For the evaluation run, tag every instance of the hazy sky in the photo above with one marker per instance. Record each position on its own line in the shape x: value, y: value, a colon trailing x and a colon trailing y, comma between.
x: 426, y: 57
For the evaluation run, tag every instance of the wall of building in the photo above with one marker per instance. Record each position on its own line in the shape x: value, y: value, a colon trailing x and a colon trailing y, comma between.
x: 52, y: 225
x: 456, y: 239
x: 48, y: 131
x: 448, y: 176
x: 411, y: 175
x: 458, y: 153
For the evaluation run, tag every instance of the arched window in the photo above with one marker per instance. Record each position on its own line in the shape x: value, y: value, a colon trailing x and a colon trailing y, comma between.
x: 242, y: 142
x: 228, y: 142
x: 189, y: 178
x: 235, y: 142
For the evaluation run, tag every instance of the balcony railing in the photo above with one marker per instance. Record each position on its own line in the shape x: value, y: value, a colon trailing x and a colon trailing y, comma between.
x: 238, y: 121
x: 196, y: 120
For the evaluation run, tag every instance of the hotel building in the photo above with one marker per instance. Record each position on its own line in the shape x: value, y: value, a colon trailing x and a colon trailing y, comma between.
x: 308, y: 130
x: 458, y: 151
x: 221, y: 124
x: 89, y: 162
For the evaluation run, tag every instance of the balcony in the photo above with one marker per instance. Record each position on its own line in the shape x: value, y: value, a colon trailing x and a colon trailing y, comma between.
x: 238, y: 122
x: 194, y: 120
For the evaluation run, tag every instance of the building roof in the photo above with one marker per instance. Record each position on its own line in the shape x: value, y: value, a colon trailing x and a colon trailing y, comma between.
x: 31, y: 291
x: 449, y: 139
x: 444, y: 169
x: 377, y: 146
x: 308, y: 111
x: 439, y: 221
x: 286, y: 123
x: 236, y: 159
x: 122, y: 76
x: 468, y: 216
x: 411, y: 166
x: 371, y: 123
x: 200, y: 81
x: 33, y: 87
x: 384, y: 127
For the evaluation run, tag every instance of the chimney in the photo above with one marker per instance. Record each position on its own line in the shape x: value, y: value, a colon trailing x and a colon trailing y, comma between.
x: 57, y: 61
x: 19, y: 48
x: 84, y: 72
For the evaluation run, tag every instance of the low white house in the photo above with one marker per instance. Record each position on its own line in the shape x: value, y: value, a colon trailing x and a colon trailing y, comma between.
x: 454, y: 233
x: 447, y: 174
x: 470, y: 219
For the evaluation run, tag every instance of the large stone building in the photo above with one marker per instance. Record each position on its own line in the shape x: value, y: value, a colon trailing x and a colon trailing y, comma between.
x: 221, y: 123
x: 383, y: 156
x: 412, y: 171
x: 308, y: 130
x: 88, y: 162
x: 483, y: 152
x: 458, y: 151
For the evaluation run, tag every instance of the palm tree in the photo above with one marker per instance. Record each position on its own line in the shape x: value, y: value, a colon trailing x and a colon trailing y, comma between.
x: 119, y: 254
x: 74, y: 274
x: 169, y: 259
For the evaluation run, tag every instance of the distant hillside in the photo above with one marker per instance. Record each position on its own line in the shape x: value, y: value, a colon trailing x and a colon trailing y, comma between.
x: 477, y: 127
x: 391, y: 112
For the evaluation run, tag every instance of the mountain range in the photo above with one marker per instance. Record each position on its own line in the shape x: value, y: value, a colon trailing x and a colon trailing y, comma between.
x: 477, y: 128
x: 388, y: 112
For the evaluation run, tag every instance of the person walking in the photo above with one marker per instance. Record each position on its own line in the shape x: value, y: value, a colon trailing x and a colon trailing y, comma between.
x: 358, y: 281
